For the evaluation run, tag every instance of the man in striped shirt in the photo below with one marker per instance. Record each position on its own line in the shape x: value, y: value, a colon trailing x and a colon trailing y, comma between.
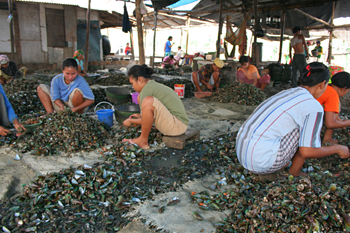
x: 287, y: 126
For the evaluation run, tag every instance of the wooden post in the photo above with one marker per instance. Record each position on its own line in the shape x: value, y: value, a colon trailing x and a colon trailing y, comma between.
x: 132, y: 45
x: 282, y: 33
x: 87, y: 38
x: 139, y: 33
x: 329, y: 59
x: 154, y: 38
x: 255, y: 45
x: 219, y: 31
x: 9, y: 2
x: 182, y: 32
x: 188, y: 32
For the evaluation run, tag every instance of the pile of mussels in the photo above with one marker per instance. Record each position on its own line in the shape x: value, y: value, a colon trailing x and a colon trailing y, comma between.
x: 242, y: 94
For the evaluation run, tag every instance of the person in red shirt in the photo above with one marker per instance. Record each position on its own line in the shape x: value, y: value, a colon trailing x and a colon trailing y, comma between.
x: 127, y: 49
x: 340, y: 85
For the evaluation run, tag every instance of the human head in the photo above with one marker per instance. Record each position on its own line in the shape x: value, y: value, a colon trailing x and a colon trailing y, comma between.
x: 179, y: 47
x: 186, y: 55
x: 296, y: 29
x: 78, y: 54
x: 318, y: 42
x: 342, y: 81
x: 244, y: 60
x: 315, y: 76
x: 70, y: 69
x: 170, y: 38
x: 139, y: 76
x: 171, y: 56
x: 4, y: 60
x: 218, y: 64
x: 127, y: 44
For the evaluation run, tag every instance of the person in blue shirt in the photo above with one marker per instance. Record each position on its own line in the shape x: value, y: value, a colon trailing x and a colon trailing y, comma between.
x: 7, y: 114
x: 168, y: 45
x: 67, y: 90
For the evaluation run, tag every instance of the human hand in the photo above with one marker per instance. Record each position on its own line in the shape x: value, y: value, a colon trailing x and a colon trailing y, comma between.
x: 209, y: 86
x: 2, y: 81
x: 19, y: 127
x: 135, y: 116
x: 343, y: 152
x: 3, y: 131
x: 127, y: 122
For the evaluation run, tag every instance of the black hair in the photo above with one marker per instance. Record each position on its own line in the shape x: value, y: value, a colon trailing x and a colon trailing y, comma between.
x: 137, y: 71
x: 171, y: 56
x: 243, y: 59
x: 296, y: 29
x: 170, y: 37
x: 313, y: 74
x: 179, y: 47
x: 341, y: 80
x: 69, y: 62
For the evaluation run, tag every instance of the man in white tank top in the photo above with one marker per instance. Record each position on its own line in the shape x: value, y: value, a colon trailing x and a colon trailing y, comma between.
x: 298, y: 60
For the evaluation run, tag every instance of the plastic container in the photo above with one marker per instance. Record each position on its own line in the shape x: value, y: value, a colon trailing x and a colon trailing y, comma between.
x: 118, y: 95
x: 134, y: 96
x: 180, y: 90
x: 105, y: 115
x: 122, y: 112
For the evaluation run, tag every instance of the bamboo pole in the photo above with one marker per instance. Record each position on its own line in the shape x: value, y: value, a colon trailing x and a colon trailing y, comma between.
x: 9, y: 2
x: 188, y: 32
x: 219, y: 31
x: 139, y: 33
x: 87, y: 37
x: 132, y: 45
x: 282, y: 33
x: 312, y: 17
x: 255, y: 56
x: 154, y: 38
x: 331, y: 37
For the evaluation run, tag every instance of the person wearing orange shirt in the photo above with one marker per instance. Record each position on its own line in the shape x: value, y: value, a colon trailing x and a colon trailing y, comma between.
x: 249, y: 74
x: 340, y: 85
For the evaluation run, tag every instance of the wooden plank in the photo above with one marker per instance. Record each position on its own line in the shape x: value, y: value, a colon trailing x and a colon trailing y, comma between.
x: 86, y: 65
x: 282, y: 33
x: 219, y: 31
x: 329, y: 58
x: 179, y: 142
x: 140, y: 32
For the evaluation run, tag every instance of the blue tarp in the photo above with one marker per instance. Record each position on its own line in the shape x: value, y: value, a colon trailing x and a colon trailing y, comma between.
x: 181, y: 3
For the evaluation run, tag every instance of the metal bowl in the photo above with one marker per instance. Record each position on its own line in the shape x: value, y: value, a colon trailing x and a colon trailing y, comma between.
x: 122, y: 112
x: 118, y: 95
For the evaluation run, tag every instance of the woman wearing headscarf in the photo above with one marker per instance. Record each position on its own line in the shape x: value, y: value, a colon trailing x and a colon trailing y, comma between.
x: 8, y: 70
x: 79, y: 57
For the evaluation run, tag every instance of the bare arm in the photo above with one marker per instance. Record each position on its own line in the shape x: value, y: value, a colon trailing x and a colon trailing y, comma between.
x: 334, y: 122
x: 312, y: 153
x: 59, y: 104
x: 290, y: 51
x: 305, y: 46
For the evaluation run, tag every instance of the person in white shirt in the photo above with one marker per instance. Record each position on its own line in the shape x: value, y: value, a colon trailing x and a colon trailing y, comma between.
x: 286, y: 127
x: 178, y: 55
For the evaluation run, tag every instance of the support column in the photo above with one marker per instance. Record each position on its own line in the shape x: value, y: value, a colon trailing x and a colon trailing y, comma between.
x: 139, y: 32
x: 154, y: 38
x: 9, y: 2
x: 282, y: 33
x: 329, y: 58
x: 132, y: 45
x: 86, y: 65
x: 188, y: 32
x: 219, y: 31
x: 255, y: 45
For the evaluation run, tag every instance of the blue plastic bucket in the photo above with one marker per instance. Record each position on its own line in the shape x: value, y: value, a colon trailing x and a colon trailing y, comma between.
x: 105, y: 115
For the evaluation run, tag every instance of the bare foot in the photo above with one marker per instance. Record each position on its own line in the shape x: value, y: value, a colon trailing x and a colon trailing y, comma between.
x: 138, y: 142
x: 298, y: 174
x: 331, y: 140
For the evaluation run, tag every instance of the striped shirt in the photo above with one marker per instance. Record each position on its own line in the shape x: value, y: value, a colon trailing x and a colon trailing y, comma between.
x: 259, y: 138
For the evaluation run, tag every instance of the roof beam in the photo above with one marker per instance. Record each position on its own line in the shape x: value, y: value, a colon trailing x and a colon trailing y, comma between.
x: 312, y: 17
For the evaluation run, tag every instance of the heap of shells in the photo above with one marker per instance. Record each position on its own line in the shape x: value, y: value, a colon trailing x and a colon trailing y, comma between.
x: 242, y: 94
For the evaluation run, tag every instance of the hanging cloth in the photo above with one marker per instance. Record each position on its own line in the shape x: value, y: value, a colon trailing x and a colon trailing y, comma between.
x: 238, y: 37
x: 126, y: 26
